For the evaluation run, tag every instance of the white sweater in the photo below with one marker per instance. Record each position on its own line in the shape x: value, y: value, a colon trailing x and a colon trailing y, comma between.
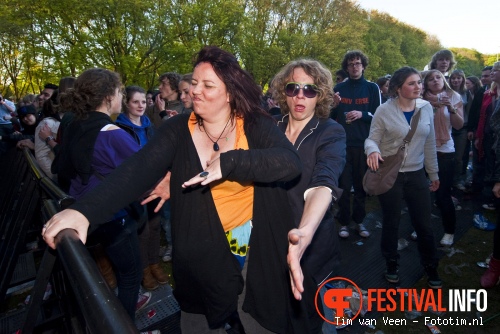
x: 388, y: 129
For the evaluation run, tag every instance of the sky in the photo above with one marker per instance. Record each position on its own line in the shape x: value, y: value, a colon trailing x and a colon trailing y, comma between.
x: 468, y: 24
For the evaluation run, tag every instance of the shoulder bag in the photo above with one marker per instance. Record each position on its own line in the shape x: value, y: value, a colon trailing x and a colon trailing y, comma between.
x: 382, y: 180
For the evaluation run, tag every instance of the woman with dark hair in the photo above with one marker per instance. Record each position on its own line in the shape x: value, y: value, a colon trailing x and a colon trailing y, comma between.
x: 225, y: 158
x: 92, y: 148
x: 389, y: 127
x: 304, y: 91
x: 448, y: 114
x: 383, y: 85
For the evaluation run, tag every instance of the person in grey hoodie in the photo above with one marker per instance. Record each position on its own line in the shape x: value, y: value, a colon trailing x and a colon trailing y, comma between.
x: 389, y: 127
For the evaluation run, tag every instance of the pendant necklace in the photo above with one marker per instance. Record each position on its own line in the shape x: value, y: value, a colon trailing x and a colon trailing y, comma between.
x: 216, y: 146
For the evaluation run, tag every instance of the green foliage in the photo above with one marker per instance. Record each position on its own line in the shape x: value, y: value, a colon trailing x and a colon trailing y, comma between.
x: 42, y: 41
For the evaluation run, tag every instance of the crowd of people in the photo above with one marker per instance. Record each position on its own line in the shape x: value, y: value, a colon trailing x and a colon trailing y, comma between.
x: 244, y: 184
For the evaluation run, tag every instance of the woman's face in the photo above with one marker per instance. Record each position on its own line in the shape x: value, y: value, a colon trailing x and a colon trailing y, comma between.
x: 385, y: 88
x: 495, y: 76
x: 434, y: 82
x: 116, y: 102
x: 456, y: 81
x: 208, y: 92
x: 29, y: 119
x: 443, y: 64
x: 149, y: 100
x: 136, y: 105
x: 411, y: 88
x: 469, y: 85
x: 301, y: 107
x: 185, y: 98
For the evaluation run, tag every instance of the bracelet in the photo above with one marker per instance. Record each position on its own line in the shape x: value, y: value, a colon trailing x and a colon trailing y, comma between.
x: 48, y: 139
x: 452, y: 110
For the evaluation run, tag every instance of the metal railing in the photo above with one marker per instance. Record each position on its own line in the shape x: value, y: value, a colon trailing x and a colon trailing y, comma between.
x: 101, y: 309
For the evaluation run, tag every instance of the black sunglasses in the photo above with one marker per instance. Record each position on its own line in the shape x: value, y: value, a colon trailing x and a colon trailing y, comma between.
x: 293, y: 88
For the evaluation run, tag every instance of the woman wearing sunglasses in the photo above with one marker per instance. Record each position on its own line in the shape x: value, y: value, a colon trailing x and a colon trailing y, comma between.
x: 303, y: 89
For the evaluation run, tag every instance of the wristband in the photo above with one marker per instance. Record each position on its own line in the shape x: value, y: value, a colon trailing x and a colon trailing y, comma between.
x: 48, y: 139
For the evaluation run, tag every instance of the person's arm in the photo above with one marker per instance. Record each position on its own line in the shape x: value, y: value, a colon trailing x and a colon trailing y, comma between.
x: 317, y: 202
x: 330, y: 161
x: 430, y: 155
x: 456, y: 109
x: 272, y: 159
x: 372, y: 150
x: 124, y: 185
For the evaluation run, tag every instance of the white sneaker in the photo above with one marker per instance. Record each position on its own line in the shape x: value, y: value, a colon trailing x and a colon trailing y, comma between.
x: 363, y: 232
x: 344, y: 232
x: 447, y: 240
x: 142, y: 300
x: 413, y: 235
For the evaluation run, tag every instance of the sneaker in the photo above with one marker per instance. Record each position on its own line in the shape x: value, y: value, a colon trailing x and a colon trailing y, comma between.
x: 447, y: 240
x: 168, y: 254
x: 143, y: 300
x: 489, y: 206
x: 391, y: 273
x: 433, y: 279
x: 482, y: 223
x: 413, y: 235
x: 459, y: 186
x: 363, y: 232
x: 344, y: 232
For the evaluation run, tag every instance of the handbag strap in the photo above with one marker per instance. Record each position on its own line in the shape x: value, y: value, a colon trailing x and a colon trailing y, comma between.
x: 413, y: 126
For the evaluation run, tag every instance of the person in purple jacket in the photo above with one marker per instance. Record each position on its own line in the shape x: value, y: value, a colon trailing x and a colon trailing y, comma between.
x: 92, y: 148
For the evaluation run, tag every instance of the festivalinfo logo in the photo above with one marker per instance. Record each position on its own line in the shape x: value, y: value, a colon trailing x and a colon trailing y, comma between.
x: 339, y: 309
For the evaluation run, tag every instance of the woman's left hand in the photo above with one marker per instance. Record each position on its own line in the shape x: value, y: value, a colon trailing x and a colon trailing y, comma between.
x: 211, y: 173
x: 162, y: 190
x: 296, y: 248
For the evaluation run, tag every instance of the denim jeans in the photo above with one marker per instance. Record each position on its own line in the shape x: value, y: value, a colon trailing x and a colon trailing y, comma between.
x: 446, y: 163
x: 121, y: 243
x: 414, y: 189
x: 352, y: 176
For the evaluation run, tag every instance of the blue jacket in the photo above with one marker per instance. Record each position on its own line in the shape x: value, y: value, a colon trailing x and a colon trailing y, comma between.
x: 141, y: 133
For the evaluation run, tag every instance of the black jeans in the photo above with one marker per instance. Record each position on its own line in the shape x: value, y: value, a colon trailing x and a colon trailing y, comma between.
x: 121, y: 243
x: 352, y: 176
x: 446, y: 163
x: 414, y: 189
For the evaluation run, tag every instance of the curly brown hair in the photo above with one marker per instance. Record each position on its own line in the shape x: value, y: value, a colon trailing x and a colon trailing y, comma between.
x: 322, y: 79
x: 90, y: 90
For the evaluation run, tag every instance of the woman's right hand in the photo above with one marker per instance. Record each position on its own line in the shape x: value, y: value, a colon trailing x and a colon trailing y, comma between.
x: 68, y: 218
x: 373, y: 160
x: 162, y: 190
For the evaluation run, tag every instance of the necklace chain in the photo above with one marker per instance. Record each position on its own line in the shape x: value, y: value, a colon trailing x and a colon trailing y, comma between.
x: 216, y: 145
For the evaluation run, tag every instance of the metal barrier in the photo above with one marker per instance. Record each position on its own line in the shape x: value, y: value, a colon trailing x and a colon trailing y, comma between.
x: 101, y: 310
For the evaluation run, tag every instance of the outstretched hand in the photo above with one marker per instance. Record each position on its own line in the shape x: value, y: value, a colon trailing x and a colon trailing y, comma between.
x: 296, y: 248
x: 162, y: 190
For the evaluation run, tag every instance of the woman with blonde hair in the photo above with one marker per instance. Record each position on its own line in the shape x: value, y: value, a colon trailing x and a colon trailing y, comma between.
x: 448, y: 114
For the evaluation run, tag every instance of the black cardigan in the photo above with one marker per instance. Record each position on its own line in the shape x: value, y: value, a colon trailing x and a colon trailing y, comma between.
x: 207, y: 276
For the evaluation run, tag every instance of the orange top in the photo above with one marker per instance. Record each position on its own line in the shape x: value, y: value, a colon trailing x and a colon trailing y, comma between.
x: 233, y: 200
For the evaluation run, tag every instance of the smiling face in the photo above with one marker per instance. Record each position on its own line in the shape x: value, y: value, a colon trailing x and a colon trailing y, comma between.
x: 456, y: 81
x: 136, y: 105
x: 209, y: 93
x: 301, y: 107
x: 185, y: 98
